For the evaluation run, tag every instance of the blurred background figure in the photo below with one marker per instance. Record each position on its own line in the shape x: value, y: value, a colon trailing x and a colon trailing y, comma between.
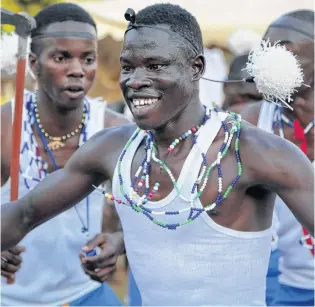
x: 216, y: 68
x: 239, y: 95
x: 243, y: 40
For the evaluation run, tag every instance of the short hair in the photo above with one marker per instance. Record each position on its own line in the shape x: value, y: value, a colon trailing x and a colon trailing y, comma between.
x: 178, y: 19
x: 60, y: 12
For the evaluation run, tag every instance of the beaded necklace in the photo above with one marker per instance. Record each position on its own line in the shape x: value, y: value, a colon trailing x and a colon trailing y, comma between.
x: 85, y: 226
x: 56, y: 142
x: 150, y: 156
x: 279, y: 118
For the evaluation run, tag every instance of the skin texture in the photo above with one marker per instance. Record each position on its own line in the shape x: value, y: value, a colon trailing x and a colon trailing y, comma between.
x: 60, y: 62
x: 270, y: 165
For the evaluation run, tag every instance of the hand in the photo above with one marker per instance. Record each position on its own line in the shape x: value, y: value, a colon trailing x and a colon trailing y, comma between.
x: 11, y: 262
x: 102, y: 266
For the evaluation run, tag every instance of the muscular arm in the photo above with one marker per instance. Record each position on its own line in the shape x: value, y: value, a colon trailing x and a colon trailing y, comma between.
x: 283, y: 168
x: 56, y: 193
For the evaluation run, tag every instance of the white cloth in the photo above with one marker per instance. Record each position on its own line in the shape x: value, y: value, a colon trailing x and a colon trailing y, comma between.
x: 51, y: 272
x: 201, y: 263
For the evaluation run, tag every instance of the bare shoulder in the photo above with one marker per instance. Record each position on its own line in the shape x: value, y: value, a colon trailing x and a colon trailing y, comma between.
x: 100, y: 153
x: 113, y: 119
x: 251, y: 112
x: 269, y: 159
x: 113, y: 137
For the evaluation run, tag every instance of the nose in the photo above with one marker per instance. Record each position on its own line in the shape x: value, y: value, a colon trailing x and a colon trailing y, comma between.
x: 75, y: 69
x: 138, y: 80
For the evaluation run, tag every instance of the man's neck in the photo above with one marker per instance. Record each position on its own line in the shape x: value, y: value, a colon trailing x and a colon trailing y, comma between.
x: 56, y: 121
x: 191, y: 116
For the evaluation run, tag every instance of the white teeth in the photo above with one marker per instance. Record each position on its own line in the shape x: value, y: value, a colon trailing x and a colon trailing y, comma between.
x: 140, y: 103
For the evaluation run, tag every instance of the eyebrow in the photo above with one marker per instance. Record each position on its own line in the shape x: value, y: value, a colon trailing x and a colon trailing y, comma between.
x: 147, y: 60
x: 65, y: 51
x: 156, y: 58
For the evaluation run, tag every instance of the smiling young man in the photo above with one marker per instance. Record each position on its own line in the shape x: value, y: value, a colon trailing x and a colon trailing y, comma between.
x: 179, y: 253
x: 45, y: 268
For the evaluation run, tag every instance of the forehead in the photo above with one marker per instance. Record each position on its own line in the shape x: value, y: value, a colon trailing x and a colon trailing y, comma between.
x: 70, y: 36
x: 70, y: 44
x: 148, y: 42
x: 70, y: 28
x: 289, y: 29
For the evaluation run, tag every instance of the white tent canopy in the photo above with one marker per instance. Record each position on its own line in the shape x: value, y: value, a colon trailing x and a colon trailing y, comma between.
x: 218, y: 19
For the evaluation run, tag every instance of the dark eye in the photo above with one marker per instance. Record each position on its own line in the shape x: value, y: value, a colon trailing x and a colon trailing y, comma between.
x: 126, y: 68
x: 89, y: 60
x: 155, y: 66
x: 59, y: 58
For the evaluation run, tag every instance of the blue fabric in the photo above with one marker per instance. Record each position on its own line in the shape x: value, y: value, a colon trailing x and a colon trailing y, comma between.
x: 272, y: 281
x: 134, y: 297
x: 102, y: 296
x: 291, y: 296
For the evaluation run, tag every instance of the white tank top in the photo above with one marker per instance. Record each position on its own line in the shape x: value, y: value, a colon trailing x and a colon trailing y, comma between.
x: 51, y: 272
x: 201, y: 263
x: 296, y: 263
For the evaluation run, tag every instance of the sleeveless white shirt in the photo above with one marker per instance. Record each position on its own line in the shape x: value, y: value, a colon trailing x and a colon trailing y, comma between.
x: 51, y: 272
x: 201, y: 263
x: 296, y: 263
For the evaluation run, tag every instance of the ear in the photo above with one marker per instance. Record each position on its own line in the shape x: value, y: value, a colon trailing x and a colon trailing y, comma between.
x: 198, y: 66
x: 34, y: 64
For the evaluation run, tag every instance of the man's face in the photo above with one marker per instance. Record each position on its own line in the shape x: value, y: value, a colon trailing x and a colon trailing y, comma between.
x: 67, y: 65
x: 156, y: 77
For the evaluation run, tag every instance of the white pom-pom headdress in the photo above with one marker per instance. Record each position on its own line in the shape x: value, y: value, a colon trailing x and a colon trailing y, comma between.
x: 275, y: 71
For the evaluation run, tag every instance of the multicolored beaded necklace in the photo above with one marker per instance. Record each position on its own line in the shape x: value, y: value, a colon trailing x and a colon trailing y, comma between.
x: 143, y: 172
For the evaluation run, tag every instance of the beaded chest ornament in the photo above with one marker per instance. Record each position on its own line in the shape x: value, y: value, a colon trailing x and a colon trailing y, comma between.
x: 143, y: 172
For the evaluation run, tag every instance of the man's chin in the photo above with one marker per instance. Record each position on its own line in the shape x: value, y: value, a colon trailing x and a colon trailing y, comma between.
x: 69, y: 105
x: 149, y: 124
x: 145, y: 125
